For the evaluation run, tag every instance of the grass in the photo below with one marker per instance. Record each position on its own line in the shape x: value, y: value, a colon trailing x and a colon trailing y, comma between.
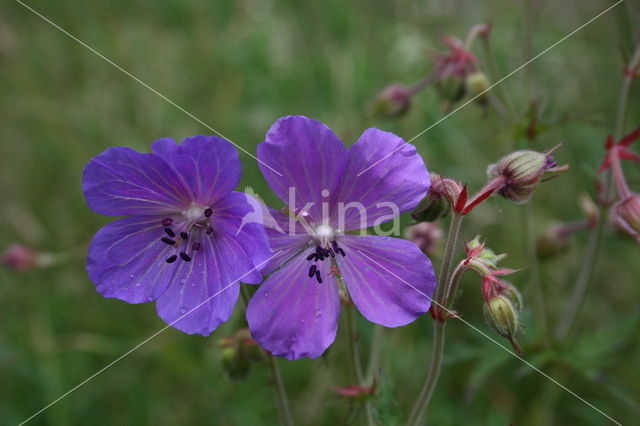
x: 238, y: 66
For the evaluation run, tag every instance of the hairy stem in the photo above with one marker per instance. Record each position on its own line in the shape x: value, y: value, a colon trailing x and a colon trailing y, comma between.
x: 443, y: 289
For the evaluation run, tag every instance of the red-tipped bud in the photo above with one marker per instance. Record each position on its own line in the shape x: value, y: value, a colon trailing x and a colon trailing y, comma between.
x: 426, y: 235
x: 392, y: 102
x: 442, y: 194
x: 355, y: 392
x: 521, y: 172
x: 21, y: 258
x: 626, y: 215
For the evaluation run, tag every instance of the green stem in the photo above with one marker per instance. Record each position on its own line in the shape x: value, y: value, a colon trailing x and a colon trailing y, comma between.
x: 443, y: 291
x: 354, y: 356
x: 282, y: 400
x: 281, y: 393
x: 447, y: 259
x: 593, y: 249
x: 433, y: 375
x: 534, y: 275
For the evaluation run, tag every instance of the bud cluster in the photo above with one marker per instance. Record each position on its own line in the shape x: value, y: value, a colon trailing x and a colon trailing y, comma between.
x: 454, y: 75
x: 442, y: 196
x: 502, y: 300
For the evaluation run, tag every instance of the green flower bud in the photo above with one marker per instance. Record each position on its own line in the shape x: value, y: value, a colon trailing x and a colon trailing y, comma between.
x: 477, y: 84
x: 234, y: 364
x: 451, y: 88
x: 501, y: 315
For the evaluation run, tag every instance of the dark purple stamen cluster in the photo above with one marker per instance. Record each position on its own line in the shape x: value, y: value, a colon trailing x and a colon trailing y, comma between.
x: 184, y: 237
x: 320, y: 255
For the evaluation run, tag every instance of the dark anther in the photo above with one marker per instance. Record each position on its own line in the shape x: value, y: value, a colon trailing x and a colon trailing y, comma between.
x: 341, y: 252
x: 184, y: 235
x: 207, y: 212
x: 167, y: 222
x: 170, y: 232
x: 319, y: 250
x: 331, y: 252
x: 172, y: 258
x: 312, y: 271
x: 318, y: 277
x: 209, y: 230
x: 311, y: 256
x: 185, y: 256
x: 196, y: 246
x: 334, y: 245
x: 167, y: 241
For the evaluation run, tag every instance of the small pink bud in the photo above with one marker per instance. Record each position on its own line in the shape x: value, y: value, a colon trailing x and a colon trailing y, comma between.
x: 21, y: 258
x: 626, y: 214
x: 393, y: 101
x: 426, y: 235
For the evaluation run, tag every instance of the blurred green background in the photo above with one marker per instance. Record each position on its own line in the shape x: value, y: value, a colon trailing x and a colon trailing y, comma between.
x: 238, y: 66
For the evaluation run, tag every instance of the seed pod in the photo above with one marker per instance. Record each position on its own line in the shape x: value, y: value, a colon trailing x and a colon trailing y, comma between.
x: 477, y: 85
x: 501, y: 315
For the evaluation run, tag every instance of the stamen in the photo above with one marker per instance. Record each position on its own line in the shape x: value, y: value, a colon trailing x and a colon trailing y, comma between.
x: 184, y: 235
x: 167, y: 241
x: 341, y: 252
x: 167, y: 222
x: 332, y: 253
x: 185, y: 256
x: 334, y: 244
x: 311, y: 256
x: 195, y: 246
x: 172, y: 258
x: 207, y: 212
x: 312, y: 271
x: 170, y: 232
x: 318, y: 277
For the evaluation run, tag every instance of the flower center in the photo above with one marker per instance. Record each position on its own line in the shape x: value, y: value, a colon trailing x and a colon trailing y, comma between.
x: 186, y: 235
x: 320, y: 254
x: 194, y: 212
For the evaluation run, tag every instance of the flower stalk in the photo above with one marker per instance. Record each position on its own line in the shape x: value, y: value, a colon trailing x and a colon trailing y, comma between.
x: 590, y: 258
x: 439, y: 314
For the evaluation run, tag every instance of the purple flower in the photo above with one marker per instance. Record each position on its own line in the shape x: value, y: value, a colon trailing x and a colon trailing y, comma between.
x: 181, y: 242
x: 294, y: 313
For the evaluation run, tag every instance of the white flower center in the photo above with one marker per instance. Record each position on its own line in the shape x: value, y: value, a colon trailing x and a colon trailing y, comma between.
x: 194, y: 212
x: 325, y: 232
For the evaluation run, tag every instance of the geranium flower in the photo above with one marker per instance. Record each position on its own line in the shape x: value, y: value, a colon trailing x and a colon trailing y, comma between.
x: 181, y: 243
x: 294, y: 313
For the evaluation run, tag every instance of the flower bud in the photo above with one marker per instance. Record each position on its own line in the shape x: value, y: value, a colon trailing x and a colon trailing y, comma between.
x: 477, y: 84
x: 237, y: 353
x: 481, y: 258
x: 392, y: 102
x: 626, y: 215
x: 20, y: 258
x: 451, y: 88
x: 437, y: 203
x: 501, y: 315
x: 426, y: 235
x: 521, y: 172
